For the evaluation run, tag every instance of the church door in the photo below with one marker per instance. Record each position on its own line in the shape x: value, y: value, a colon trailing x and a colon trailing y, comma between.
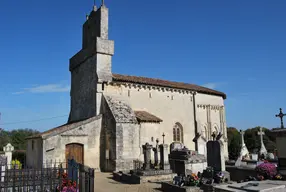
x: 75, y: 151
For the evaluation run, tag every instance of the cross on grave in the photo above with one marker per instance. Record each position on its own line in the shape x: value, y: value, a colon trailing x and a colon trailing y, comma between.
x: 163, y: 138
x: 213, y: 136
x: 261, y: 133
x: 281, y: 115
x: 242, y: 137
x: 262, y: 149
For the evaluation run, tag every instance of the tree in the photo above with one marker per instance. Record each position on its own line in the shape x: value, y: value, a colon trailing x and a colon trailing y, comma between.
x: 253, y: 143
x: 16, y: 137
x: 234, y: 143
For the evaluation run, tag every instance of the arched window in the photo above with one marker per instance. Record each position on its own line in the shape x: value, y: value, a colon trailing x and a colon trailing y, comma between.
x: 178, y: 133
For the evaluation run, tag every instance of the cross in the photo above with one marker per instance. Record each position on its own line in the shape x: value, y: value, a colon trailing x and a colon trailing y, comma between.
x: 163, y: 138
x: 261, y: 133
x: 214, y: 135
x: 281, y: 115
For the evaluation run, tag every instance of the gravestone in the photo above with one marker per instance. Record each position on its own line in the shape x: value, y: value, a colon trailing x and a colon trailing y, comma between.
x: 8, y: 149
x: 176, y: 146
x: 156, y: 151
x: 164, y: 161
x: 147, y: 156
x: 215, y: 157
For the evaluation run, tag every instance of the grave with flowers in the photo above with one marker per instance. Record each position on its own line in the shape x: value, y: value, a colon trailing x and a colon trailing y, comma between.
x: 193, y: 180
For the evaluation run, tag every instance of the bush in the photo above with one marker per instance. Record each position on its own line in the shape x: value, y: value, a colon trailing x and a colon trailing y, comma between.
x: 20, y: 155
x: 16, y: 164
x: 267, y: 170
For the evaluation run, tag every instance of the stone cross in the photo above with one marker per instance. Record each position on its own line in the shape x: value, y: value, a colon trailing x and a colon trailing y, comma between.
x: 244, y: 150
x: 262, y: 149
x: 156, y: 150
x: 147, y: 156
x: 242, y: 137
x: 281, y: 115
x: 213, y: 135
x: 163, y: 138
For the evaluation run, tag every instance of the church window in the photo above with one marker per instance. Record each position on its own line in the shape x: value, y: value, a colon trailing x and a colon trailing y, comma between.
x: 172, y: 97
x: 152, y: 139
x: 128, y: 93
x: 178, y: 133
x: 150, y: 95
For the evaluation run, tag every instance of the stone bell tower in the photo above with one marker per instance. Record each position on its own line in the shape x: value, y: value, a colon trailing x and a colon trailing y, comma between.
x: 91, y: 67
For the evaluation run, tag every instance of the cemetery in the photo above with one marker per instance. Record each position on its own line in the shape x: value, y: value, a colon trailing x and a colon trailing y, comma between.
x: 186, y: 170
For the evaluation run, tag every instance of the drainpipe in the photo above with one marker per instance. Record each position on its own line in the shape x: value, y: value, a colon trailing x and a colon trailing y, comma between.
x: 195, y: 120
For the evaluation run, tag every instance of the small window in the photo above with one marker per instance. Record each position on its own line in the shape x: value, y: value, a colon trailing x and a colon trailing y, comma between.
x: 150, y: 95
x: 152, y: 139
x: 128, y: 93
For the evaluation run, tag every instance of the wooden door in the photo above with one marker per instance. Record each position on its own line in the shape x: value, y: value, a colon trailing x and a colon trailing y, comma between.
x: 75, y: 151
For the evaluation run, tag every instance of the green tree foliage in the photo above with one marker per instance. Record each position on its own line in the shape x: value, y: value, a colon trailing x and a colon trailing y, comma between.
x: 234, y: 143
x: 16, y: 137
x: 253, y: 143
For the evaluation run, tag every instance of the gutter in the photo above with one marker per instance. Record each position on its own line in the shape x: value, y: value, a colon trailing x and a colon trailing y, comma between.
x: 195, y: 120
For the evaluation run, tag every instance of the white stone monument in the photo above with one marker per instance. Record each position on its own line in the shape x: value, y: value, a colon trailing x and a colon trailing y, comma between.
x: 8, y: 149
x: 262, y: 149
x: 243, y: 151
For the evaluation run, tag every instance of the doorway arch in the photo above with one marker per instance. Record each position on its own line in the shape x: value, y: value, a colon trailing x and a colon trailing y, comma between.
x: 75, y: 151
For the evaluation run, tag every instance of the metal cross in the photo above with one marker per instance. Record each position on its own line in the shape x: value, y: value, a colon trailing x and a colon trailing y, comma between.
x: 281, y: 115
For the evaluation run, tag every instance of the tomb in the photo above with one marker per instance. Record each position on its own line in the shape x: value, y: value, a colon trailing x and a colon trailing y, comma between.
x: 147, y: 171
x: 184, y: 161
x: 253, y: 186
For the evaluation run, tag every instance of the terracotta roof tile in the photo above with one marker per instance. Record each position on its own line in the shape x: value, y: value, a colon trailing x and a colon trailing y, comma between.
x: 144, y: 116
x: 165, y: 83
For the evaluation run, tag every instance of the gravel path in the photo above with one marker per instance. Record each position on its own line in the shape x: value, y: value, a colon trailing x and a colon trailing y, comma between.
x: 105, y: 183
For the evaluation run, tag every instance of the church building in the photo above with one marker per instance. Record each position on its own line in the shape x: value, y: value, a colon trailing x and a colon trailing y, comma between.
x: 113, y: 115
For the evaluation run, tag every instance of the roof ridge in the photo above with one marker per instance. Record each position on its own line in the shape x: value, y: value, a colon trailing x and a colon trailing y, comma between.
x: 166, y: 83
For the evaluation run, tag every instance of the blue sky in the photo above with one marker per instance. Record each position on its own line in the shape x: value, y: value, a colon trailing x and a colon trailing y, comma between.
x: 237, y: 47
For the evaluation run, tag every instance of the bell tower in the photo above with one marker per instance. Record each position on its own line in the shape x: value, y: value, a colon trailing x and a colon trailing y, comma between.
x: 91, y: 66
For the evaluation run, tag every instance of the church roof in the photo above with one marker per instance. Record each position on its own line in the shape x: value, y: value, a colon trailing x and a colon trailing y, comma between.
x: 144, y: 116
x: 165, y: 83
x: 64, y: 127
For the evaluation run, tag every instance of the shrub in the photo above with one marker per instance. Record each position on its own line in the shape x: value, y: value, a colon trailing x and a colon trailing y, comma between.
x: 267, y: 170
x: 16, y: 164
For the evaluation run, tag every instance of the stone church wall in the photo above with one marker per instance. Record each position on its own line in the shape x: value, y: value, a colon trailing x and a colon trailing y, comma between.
x: 173, y: 106
x: 170, y: 106
x: 83, y: 90
x: 87, y: 134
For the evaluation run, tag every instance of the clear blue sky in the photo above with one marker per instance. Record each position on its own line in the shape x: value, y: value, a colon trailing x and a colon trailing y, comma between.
x: 238, y: 47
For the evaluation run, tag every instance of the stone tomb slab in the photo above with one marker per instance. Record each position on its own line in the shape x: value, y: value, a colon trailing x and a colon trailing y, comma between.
x: 253, y: 186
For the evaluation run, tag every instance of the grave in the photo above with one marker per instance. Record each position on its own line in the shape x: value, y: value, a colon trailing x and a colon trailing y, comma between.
x: 215, y: 174
x: 253, y: 186
x: 184, y: 161
x: 159, y: 171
